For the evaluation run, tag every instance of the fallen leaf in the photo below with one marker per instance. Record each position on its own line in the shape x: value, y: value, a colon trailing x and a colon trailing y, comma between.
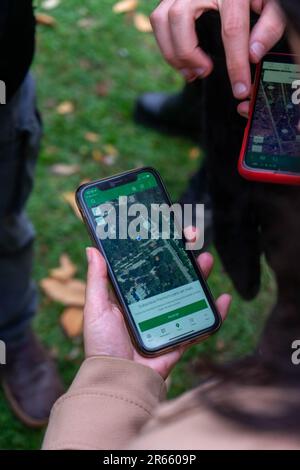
x: 69, y: 197
x: 52, y: 150
x: 97, y: 155
x: 111, y: 150
x: 142, y: 23
x: 45, y: 20
x: 102, y: 88
x: 194, y: 153
x: 71, y: 321
x: 125, y: 6
x: 86, y: 23
x: 66, y: 107
x: 85, y: 64
x: 50, y: 4
x: 91, y: 137
x: 109, y: 160
x: 220, y: 346
x: 61, y: 169
x: 70, y: 293
x: 65, y: 271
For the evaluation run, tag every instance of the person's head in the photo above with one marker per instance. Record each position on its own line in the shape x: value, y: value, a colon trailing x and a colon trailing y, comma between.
x: 291, y: 9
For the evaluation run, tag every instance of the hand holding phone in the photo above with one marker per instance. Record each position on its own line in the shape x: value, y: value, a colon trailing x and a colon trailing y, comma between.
x: 105, y: 331
x: 165, y: 300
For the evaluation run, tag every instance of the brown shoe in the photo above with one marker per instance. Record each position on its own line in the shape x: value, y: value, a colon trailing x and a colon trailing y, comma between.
x: 30, y: 381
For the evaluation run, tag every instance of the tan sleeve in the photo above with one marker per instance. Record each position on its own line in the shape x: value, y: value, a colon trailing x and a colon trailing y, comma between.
x: 106, y: 405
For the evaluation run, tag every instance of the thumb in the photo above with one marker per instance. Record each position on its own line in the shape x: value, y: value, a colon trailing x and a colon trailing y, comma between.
x: 97, y: 297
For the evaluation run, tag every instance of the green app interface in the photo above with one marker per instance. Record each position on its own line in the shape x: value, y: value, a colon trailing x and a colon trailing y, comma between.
x: 274, y: 140
x: 155, y: 275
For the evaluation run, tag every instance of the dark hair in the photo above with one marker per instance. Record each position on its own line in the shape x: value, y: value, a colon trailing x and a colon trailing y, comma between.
x: 291, y: 9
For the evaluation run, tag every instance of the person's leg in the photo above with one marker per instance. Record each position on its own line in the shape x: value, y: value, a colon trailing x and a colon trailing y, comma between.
x: 19, y: 142
x: 29, y: 378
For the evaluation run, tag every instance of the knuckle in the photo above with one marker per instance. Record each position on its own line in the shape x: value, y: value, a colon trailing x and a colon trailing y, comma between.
x: 175, y: 13
x: 233, y: 27
x: 155, y: 17
x: 185, y: 57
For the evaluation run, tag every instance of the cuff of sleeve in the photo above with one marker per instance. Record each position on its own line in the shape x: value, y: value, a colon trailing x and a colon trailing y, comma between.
x: 107, y: 403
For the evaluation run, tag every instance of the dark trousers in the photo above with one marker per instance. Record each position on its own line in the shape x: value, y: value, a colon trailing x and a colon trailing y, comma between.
x: 20, y: 135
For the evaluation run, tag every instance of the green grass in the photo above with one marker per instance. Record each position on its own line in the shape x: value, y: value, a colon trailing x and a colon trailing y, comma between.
x: 70, y: 62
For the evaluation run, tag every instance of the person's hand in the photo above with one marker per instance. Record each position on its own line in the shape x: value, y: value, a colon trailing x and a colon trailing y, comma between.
x: 244, y: 109
x: 173, y: 22
x: 105, y: 332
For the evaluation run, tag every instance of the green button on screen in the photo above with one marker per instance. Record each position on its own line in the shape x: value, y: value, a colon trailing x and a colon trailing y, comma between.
x: 173, y: 315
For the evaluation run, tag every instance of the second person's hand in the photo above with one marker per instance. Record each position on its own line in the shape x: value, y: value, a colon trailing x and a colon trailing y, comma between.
x: 173, y: 23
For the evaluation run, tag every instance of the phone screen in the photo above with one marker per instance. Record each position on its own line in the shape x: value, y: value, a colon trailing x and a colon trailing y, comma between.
x: 155, y: 276
x: 274, y: 139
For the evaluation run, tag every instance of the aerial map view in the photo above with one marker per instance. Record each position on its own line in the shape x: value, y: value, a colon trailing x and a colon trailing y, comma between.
x: 147, y: 267
x: 275, y: 122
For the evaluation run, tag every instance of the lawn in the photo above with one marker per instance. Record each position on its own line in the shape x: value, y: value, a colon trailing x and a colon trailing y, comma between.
x: 100, y: 62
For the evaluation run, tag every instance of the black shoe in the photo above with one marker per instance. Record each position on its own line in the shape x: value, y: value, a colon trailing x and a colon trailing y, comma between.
x: 30, y: 381
x: 178, y: 114
x: 198, y: 193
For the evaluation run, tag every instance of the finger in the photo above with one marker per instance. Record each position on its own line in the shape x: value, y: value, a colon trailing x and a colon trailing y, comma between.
x: 206, y: 263
x: 97, y: 293
x: 235, y: 17
x: 257, y: 6
x: 267, y: 32
x: 244, y: 108
x: 188, y: 56
x: 192, y: 235
x: 223, y: 305
x: 161, y: 28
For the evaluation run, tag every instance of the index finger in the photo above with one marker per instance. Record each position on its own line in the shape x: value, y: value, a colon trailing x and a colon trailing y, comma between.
x: 235, y: 18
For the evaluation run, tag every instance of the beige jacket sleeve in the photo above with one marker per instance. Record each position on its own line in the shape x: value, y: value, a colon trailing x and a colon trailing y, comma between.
x: 106, y: 405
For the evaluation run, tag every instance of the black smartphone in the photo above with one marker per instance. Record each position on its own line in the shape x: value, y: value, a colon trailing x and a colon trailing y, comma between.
x: 166, y: 301
x: 271, y: 146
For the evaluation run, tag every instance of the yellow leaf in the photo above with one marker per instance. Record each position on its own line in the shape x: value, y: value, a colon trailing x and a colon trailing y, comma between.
x: 66, y: 107
x: 97, y: 155
x: 45, y: 20
x: 70, y: 293
x: 91, y: 137
x: 50, y: 4
x: 65, y: 170
x: 125, y: 6
x: 71, y: 321
x: 110, y: 150
x: 66, y: 270
x: 142, y: 23
x: 194, y: 153
x: 69, y: 197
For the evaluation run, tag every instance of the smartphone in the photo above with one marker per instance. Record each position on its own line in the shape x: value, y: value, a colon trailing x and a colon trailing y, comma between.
x: 271, y: 145
x: 166, y: 301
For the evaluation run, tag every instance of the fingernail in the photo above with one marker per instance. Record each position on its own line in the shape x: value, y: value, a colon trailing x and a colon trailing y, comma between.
x: 239, y: 89
x: 200, y: 71
x: 258, y: 49
x: 188, y: 74
x: 89, y: 254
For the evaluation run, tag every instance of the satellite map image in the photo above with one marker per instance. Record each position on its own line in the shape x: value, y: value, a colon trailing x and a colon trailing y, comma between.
x: 274, y: 128
x: 147, y: 267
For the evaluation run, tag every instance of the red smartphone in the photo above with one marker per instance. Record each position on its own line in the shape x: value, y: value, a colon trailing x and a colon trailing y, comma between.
x: 271, y: 147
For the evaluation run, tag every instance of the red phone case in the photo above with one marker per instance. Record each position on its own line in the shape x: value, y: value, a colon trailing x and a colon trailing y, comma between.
x: 263, y: 176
